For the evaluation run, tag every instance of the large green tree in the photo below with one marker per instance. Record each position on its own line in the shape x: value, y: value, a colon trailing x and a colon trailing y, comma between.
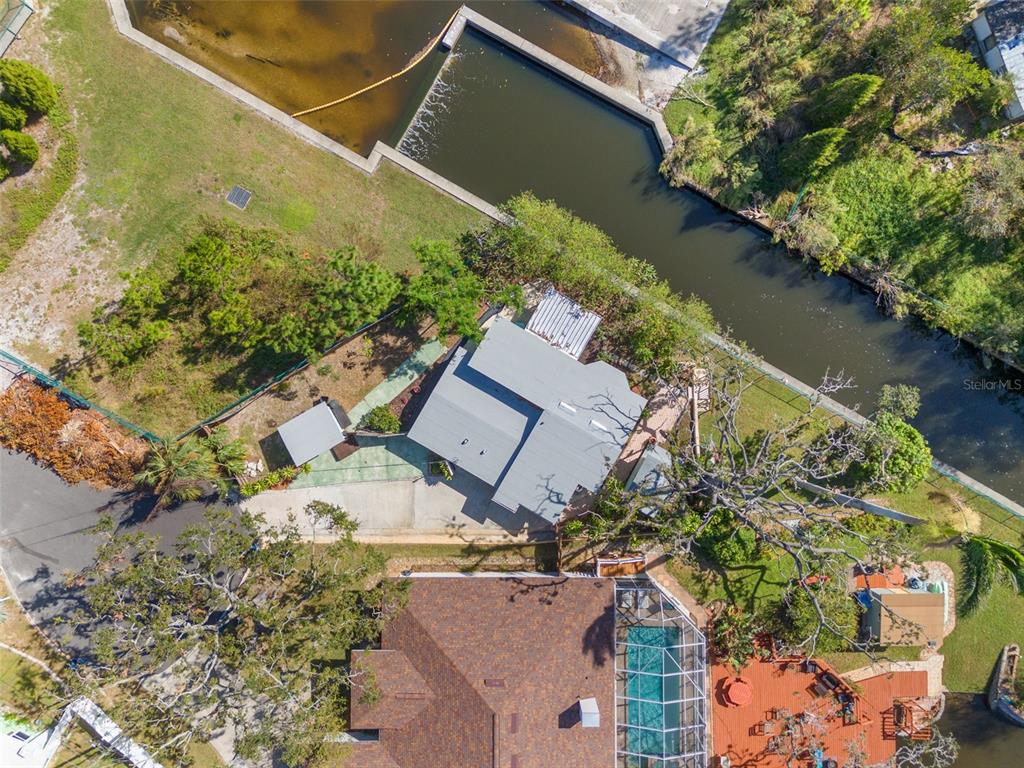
x: 347, y: 293
x: 923, y: 74
x: 446, y: 290
x: 243, y: 624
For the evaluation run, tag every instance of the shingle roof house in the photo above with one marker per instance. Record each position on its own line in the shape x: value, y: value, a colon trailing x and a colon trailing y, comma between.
x: 999, y: 28
x: 528, y: 419
x: 489, y: 673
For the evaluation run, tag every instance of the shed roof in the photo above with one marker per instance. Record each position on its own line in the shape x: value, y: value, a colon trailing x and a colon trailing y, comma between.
x: 311, y: 433
x: 563, y: 323
x: 910, y: 617
x: 1006, y: 19
x: 527, y: 419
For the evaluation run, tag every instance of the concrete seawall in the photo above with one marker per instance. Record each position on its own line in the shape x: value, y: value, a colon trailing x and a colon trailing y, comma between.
x: 381, y: 151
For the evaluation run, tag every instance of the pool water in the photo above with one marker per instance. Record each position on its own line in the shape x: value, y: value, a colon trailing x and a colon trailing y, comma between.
x: 652, y: 663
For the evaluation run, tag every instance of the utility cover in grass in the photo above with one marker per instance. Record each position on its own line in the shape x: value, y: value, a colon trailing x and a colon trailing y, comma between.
x: 239, y: 197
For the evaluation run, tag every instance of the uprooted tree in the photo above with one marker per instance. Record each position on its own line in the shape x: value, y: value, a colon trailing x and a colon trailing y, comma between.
x: 744, y: 495
x: 243, y: 625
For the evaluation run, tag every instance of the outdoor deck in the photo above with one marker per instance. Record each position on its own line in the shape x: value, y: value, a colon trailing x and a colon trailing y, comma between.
x: 792, y: 713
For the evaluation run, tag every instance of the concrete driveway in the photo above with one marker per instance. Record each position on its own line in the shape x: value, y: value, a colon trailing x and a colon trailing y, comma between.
x: 410, y: 511
x: 44, y: 535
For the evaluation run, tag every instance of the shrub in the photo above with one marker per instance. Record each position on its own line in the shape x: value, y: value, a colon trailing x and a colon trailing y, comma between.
x: 898, y: 457
x: 381, y: 419
x: 269, y: 480
x: 12, y: 117
x: 21, y: 147
x: 27, y: 87
x: 832, y: 105
x: 727, y: 543
x: 807, y: 158
x: 76, y: 444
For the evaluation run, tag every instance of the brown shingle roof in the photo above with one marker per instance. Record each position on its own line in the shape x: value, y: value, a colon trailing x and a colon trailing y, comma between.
x: 505, y: 660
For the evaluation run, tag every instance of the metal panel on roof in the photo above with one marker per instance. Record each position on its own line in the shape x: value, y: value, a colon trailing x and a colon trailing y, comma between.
x: 311, y: 433
x: 563, y: 323
x: 526, y: 418
x: 473, y: 422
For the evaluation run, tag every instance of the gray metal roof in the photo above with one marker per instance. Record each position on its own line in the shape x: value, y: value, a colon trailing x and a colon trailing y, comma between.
x: 311, y: 433
x: 526, y: 418
x: 563, y: 323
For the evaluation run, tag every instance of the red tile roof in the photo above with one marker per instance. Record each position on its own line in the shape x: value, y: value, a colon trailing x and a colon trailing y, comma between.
x: 476, y: 671
x: 879, y: 579
x: 745, y: 733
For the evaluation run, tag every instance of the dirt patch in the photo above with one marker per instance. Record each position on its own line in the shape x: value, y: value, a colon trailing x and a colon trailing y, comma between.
x: 79, y: 445
x: 346, y: 375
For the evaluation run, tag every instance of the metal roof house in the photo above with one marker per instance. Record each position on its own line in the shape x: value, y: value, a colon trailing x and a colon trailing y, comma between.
x: 528, y: 419
x: 999, y: 28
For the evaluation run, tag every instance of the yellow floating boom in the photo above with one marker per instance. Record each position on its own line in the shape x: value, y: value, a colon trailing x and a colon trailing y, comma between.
x: 387, y: 79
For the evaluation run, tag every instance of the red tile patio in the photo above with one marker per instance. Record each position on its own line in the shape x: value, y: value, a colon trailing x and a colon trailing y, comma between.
x: 790, y: 710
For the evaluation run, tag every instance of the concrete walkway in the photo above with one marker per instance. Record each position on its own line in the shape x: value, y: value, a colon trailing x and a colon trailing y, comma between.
x: 932, y: 665
x: 385, y: 458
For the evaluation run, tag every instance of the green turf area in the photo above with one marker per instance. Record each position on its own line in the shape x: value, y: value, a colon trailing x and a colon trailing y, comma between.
x: 479, y: 557
x: 851, y: 660
x: 949, y: 508
x: 159, y: 147
x: 973, y: 647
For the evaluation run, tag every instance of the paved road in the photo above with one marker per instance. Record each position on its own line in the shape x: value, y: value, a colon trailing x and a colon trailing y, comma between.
x: 44, y: 535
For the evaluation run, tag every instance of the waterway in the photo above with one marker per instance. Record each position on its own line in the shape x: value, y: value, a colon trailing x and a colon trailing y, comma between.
x: 498, y: 125
x: 985, y: 740
x: 508, y: 125
x: 297, y: 54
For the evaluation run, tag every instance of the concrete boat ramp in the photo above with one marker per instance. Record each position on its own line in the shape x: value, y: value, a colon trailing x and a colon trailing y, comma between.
x: 677, y: 28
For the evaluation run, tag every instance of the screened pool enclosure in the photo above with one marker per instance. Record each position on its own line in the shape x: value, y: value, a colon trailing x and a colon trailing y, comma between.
x: 660, y: 680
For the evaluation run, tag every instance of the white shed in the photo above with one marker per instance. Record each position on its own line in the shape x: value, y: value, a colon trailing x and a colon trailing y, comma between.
x: 313, y: 432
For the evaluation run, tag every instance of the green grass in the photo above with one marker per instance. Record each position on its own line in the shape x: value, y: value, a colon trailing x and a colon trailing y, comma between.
x: 27, y: 207
x: 971, y: 650
x: 843, y: 662
x: 477, y: 557
x: 160, y: 147
x: 159, y: 150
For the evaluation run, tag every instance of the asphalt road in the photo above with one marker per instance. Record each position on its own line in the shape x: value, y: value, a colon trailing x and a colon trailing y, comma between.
x: 44, y: 536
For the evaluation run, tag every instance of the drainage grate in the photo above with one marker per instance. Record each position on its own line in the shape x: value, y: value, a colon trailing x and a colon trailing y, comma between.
x: 239, y: 197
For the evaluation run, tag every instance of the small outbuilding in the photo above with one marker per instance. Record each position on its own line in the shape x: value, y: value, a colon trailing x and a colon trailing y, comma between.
x: 999, y: 29
x: 314, y: 432
x: 913, y: 617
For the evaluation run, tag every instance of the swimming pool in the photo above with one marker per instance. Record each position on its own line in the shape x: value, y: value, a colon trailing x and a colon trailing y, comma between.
x: 653, y: 690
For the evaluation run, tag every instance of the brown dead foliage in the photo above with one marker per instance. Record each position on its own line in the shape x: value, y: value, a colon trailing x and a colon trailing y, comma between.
x: 77, y: 444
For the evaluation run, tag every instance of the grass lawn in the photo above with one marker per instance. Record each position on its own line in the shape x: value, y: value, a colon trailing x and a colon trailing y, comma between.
x: 474, y: 557
x: 159, y: 150
x: 160, y: 147
x: 972, y: 648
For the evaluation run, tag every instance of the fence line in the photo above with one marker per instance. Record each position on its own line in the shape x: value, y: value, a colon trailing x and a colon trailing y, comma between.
x: 230, y: 410
x: 81, y: 400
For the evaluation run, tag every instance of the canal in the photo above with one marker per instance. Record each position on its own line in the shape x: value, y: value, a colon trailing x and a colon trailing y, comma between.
x: 505, y: 125
x: 985, y: 740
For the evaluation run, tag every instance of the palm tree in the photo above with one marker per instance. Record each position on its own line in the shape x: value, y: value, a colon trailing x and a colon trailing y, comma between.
x: 176, y: 468
x: 984, y: 560
x: 229, y: 455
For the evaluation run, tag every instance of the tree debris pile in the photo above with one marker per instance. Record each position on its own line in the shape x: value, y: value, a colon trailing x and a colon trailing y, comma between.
x: 77, y: 444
